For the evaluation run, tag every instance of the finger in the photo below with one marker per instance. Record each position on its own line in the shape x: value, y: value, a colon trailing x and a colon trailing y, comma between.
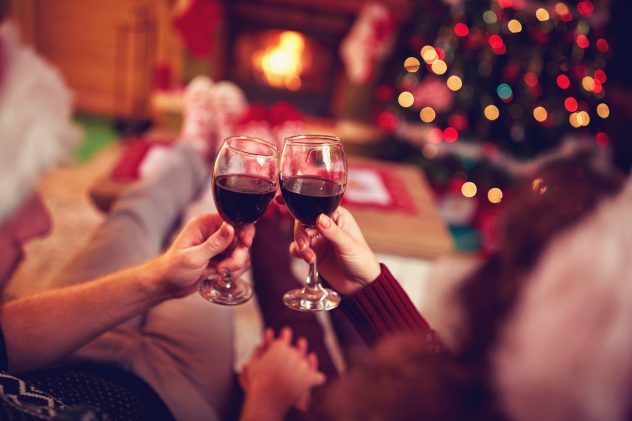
x: 237, y: 259
x: 317, y: 378
x: 328, y: 229
x: 285, y: 335
x: 301, y: 346
x: 312, y: 360
x: 268, y: 336
x: 218, y: 241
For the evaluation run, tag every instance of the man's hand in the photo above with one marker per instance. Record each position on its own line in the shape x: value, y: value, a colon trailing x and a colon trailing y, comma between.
x: 189, y: 257
x: 344, y: 257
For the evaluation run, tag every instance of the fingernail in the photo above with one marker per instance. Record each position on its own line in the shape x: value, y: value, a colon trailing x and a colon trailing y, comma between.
x: 225, y: 231
x: 324, y: 221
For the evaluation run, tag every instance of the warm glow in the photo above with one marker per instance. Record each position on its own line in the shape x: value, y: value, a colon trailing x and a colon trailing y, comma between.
x: 468, y: 189
x: 411, y: 64
x: 439, y: 67
x: 494, y: 195
x: 539, y: 186
x: 540, y: 114
x: 427, y: 114
x: 588, y: 83
x: 429, y: 54
x: 454, y: 83
x: 542, y: 15
x: 281, y: 63
x: 406, y: 99
x: 603, y: 110
x: 579, y: 119
x: 514, y: 26
x: 491, y: 112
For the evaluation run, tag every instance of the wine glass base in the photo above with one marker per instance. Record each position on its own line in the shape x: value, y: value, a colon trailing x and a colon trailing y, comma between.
x: 238, y: 291
x: 303, y: 299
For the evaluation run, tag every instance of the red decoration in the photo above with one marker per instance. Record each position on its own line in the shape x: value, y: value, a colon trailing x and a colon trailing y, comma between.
x: 197, y: 24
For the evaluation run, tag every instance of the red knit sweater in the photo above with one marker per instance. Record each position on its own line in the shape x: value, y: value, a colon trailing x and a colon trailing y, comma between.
x: 383, y: 308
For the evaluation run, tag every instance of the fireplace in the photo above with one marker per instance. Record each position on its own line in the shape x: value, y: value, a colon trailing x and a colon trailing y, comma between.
x: 287, y: 50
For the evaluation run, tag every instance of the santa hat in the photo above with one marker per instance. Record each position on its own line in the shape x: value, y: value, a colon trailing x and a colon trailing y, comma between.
x: 566, y: 351
x: 35, y: 119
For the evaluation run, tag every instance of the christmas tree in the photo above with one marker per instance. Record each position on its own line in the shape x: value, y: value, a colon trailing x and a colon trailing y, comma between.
x: 501, y: 86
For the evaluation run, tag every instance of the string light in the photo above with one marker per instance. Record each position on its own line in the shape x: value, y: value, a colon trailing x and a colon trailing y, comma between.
x: 585, y: 8
x: 429, y: 54
x: 494, y: 195
x: 504, y: 92
x: 531, y: 79
x: 468, y: 189
x: 406, y: 99
x: 570, y: 104
x: 427, y: 114
x: 490, y: 17
x: 603, y: 110
x: 602, y: 45
x: 600, y: 75
x: 454, y: 83
x: 514, y: 26
x: 450, y: 134
x: 602, y: 139
x: 582, y: 41
x: 588, y: 83
x: 542, y: 15
x: 540, y: 114
x: 461, y: 30
x: 563, y: 81
x: 439, y: 67
x: 491, y: 112
x: 411, y: 64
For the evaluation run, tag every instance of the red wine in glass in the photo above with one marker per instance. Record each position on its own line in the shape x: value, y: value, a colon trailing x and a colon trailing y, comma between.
x: 309, y: 196
x: 242, y: 198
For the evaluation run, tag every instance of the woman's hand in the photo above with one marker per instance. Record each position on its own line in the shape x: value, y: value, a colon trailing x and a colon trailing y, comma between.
x: 344, y: 258
x: 189, y: 257
x: 279, y: 376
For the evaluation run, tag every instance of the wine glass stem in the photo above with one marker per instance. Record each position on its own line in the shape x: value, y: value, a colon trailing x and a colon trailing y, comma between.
x: 225, y: 279
x: 312, y: 277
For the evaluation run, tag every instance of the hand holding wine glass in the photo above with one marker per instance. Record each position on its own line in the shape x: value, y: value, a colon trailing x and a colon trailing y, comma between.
x: 245, y: 179
x: 344, y: 257
x: 313, y: 180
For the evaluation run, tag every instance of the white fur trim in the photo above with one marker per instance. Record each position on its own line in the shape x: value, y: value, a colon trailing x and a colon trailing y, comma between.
x: 566, y: 352
x: 35, y: 120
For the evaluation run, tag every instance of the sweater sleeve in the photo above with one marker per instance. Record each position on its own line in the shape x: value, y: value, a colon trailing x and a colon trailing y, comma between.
x: 383, y: 308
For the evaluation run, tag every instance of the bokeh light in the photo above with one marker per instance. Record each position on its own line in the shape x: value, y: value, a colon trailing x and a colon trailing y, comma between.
x: 468, y: 189
x: 542, y: 15
x: 540, y: 114
x: 429, y: 54
x: 450, y: 134
x: 504, y: 92
x: 603, y: 110
x: 588, y: 83
x: 582, y: 41
x: 439, y: 67
x: 494, y: 195
x: 427, y: 114
x: 539, y: 186
x: 570, y: 104
x: 489, y: 17
x: 563, y: 81
x: 514, y: 26
x: 491, y: 112
x: 411, y: 64
x: 406, y: 99
x: 461, y: 30
x: 454, y: 83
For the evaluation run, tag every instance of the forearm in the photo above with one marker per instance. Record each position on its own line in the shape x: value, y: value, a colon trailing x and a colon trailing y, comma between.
x: 382, y: 308
x: 260, y: 409
x: 46, y: 327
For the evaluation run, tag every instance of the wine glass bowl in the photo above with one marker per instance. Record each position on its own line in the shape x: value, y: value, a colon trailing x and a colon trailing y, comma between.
x: 313, y: 178
x: 245, y: 180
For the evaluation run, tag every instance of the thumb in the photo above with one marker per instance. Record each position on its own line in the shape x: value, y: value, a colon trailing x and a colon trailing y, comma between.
x: 328, y: 229
x: 219, y: 240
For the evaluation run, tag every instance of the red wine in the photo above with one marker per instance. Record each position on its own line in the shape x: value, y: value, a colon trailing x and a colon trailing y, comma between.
x: 309, y: 196
x: 242, y: 199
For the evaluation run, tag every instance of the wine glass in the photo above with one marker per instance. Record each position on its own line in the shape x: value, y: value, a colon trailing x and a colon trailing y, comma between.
x: 313, y: 179
x: 245, y: 180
